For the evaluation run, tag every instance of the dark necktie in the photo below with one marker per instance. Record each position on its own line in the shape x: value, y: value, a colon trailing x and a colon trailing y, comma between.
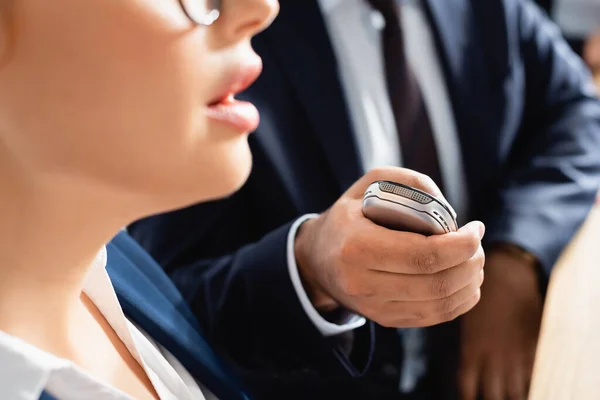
x: 418, y: 153
x: 412, y: 122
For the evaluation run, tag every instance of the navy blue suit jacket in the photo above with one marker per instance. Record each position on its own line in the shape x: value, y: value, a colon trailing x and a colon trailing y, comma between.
x: 529, y: 129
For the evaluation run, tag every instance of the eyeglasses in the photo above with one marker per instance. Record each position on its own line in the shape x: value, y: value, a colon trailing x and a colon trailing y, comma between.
x: 202, y: 12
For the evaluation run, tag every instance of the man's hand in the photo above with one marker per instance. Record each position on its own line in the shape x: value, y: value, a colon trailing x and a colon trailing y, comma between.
x: 397, y: 279
x: 499, y: 337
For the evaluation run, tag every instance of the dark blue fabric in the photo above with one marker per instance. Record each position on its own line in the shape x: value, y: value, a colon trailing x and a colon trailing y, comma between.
x: 529, y: 130
x: 547, y: 5
x: 150, y: 299
x: 47, y: 396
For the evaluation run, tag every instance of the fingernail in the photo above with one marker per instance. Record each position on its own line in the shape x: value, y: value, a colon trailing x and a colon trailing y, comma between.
x: 479, y: 227
x: 481, y: 230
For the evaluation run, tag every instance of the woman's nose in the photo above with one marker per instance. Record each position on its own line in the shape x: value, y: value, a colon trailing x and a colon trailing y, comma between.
x: 241, y: 19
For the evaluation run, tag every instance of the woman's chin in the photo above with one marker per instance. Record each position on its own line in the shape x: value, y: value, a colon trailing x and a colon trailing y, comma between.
x: 213, y: 180
x: 230, y: 177
x: 237, y: 177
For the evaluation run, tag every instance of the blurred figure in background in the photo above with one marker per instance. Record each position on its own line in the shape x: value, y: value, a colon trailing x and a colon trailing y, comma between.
x: 486, y: 98
x: 579, y: 21
x: 591, y: 55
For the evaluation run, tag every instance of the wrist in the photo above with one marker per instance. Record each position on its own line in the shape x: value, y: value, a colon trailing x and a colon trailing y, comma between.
x: 317, y: 295
x: 513, y: 267
x: 516, y: 253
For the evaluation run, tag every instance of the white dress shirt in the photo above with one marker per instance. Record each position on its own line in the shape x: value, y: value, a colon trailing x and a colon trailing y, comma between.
x: 355, y: 32
x: 26, y: 371
x: 577, y: 18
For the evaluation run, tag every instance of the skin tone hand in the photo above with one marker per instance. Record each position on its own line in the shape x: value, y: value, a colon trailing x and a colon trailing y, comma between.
x: 396, y: 279
x: 499, y: 336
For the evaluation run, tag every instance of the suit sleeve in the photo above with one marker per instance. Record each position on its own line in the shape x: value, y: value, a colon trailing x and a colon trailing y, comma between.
x: 553, y: 174
x: 244, y: 297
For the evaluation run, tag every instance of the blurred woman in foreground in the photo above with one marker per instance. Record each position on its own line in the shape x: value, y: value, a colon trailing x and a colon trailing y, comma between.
x: 110, y: 111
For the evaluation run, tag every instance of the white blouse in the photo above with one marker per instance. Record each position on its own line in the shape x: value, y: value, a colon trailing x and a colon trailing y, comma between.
x: 26, y: 371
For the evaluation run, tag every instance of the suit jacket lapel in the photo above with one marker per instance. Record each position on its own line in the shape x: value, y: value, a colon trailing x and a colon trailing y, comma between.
x: 149, y: 299
x: 301, y: 42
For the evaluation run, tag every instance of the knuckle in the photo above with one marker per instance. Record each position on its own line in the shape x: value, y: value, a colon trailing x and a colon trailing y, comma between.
x: 414, y: 311
x: 378, y: 173
x: 344, y: 213
x: 444, y: 306
x: 480, y: 256
x: 440, y: 288
x: 450, y: 315
x: 423, y: 182
x: 350, y: 208
x: 349, y: 250
x: 420, y: 315
x: 351, y: 286
x: 476, y: 262
x: 426, y: 261
x: 454, y: 314
x: 473, y: 246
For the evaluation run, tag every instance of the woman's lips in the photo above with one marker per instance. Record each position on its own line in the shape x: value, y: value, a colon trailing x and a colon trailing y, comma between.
x: 239, y: 115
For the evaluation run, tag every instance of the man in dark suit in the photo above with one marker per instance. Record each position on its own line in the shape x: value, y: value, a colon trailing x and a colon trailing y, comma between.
x: 510, y: 115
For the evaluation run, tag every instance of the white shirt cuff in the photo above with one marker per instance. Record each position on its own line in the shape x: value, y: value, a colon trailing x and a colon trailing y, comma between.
x: 350, y: 322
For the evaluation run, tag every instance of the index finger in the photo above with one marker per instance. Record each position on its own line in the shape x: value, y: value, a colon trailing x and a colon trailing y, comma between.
x: 394, y: 174
x: 411, y: 253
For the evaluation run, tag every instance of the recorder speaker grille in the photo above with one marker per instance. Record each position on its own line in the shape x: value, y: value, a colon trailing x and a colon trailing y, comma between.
x: 404, y: 192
